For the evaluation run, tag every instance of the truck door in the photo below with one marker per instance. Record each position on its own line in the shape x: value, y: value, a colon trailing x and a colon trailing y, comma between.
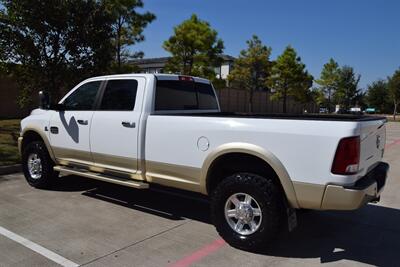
x: 69, y: 129
x: 115, y: 125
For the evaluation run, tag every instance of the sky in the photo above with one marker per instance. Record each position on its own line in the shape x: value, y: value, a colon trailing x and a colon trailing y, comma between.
x: 364, y: 34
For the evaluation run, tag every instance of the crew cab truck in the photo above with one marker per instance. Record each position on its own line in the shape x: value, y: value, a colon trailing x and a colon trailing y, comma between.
x: 142, y: 129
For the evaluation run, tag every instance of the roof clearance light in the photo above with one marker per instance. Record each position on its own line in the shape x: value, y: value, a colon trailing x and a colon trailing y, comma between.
x: 186, y: 78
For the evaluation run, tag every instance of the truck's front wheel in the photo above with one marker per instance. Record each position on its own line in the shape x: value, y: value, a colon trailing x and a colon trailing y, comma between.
x: 37, y: 165
x: 247, y: 210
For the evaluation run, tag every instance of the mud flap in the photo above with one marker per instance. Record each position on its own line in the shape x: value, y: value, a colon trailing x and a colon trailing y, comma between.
x: 292, y: 219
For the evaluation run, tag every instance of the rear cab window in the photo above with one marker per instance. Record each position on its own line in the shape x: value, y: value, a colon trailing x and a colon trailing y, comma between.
x: 184, y: 95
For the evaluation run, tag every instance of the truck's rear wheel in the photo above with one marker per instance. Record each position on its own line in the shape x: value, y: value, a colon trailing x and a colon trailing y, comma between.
x: 37, y: 165
x: 247, y: 210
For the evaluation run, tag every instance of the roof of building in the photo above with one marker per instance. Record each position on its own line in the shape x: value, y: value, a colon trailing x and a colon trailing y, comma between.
x: 151, y: 60
x: 228, y: 57
x: 161, y: 61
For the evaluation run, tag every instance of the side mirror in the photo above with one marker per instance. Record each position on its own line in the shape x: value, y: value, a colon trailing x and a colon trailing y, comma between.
x: 58, y: 107
x: 44, y: 100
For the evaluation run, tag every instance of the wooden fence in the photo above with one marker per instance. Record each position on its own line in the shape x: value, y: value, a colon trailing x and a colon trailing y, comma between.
x: 236, y: 100
x: 8, y: 99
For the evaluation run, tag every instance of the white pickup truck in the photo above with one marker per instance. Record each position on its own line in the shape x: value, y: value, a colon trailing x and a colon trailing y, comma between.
x: 142, y: 129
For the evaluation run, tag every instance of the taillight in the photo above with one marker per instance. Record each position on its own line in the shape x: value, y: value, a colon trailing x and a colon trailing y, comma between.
x: 347, y: 157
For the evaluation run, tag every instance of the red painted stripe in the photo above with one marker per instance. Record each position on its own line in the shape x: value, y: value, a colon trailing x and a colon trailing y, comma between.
x: 199, y: 254
x: 390, y: 145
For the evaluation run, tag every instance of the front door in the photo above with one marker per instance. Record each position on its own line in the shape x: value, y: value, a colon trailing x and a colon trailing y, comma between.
x: 115, y: 125
x: 70, y: 129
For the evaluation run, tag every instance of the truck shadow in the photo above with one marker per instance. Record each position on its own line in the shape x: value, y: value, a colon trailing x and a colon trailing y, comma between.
x: 168, y: 203
x: 370, y: 235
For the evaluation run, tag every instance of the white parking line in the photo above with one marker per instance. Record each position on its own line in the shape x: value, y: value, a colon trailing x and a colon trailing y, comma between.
x: 37, y: 248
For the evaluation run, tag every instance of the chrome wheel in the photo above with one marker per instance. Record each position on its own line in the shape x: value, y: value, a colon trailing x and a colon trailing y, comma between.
x: 34, y: 166
x: 243, y: 213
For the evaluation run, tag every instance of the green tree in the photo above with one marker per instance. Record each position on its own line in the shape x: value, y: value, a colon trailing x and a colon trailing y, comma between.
x: 347, y: 91
x: 378, y: 96
x: 394, y: 91
x: 360, y: 99
x: 128, y: 25
x: 252, y: 68
x: 195, y: 48
x: 319, y: 96
x: 53, y: 45
x: 328, y: 81
x: 289, y: 77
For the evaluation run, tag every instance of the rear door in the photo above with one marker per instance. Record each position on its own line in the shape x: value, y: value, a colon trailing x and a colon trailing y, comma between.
x: 115, y: 125
x: 165, y: 135
x: 69, y: 129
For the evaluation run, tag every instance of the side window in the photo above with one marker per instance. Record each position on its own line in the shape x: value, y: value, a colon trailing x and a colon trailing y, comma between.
x: 82, y: 98
x: 175, y: 95
x: 119, y: 95
x: 184, y: 95
x: 207, y: 99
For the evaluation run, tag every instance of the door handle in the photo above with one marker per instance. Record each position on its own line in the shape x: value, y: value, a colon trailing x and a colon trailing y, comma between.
x: 83, y: 122
x: 128, y: 124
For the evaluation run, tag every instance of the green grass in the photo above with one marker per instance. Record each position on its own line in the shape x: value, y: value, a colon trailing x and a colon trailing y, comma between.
x: 9, y: 132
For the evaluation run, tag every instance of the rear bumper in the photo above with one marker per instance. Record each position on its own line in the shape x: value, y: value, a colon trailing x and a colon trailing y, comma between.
x: 367, y: 189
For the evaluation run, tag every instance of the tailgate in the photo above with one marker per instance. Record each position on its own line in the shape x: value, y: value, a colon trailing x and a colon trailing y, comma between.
x: 372, y: 145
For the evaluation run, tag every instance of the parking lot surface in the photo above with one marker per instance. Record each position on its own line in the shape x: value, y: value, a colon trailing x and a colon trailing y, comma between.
x: 91, y: 223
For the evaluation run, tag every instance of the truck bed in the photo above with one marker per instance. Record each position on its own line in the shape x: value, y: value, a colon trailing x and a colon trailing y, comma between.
x: 321, y: 117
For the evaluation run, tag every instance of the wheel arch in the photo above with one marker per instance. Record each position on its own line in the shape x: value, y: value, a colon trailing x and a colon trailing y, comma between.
x: 30, y: 134
x: 266, y: 157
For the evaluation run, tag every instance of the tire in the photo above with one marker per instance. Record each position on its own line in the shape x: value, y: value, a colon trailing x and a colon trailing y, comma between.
x: 264, y: 194
x: 39, y: 173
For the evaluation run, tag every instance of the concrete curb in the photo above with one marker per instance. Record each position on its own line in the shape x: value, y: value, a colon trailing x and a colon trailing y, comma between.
x: 10, y: 169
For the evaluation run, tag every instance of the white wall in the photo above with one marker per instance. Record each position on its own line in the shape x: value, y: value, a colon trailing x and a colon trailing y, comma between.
x: 225, y: 68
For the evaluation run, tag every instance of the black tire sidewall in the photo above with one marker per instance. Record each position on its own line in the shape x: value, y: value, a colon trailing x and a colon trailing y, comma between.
x: 267, y: 195
x: 40, y: 149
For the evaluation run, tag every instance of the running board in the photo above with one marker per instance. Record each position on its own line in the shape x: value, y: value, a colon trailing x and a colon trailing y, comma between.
x: 102, y: 177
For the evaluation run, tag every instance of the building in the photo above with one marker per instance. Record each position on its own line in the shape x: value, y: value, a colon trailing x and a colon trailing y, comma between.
x: 156, y: 65
x: 151, y: 65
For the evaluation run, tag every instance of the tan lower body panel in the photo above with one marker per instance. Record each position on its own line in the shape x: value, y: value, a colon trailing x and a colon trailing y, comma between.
x: 73, y: 155
x: 97, y: 162
x: 20, y: 139
x: 309, y: 196
x: 333, y: 197
x: 341, y: 198
x: 122, y: 164
x: 172, y: 175
x: 182, y: 177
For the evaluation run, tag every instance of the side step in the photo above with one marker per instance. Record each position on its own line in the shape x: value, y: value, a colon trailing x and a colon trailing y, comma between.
x: 102, y: 177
